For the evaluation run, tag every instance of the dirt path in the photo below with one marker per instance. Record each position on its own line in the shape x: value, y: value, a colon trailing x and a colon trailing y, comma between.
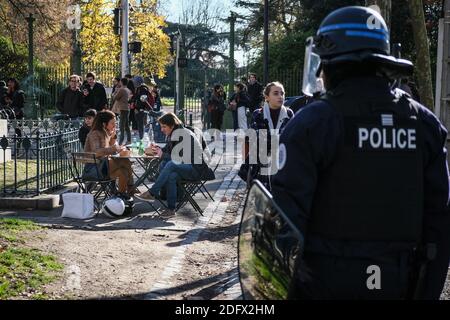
x: 126, y: 258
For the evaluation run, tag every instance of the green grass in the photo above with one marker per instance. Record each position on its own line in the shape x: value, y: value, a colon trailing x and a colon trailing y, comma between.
x: 11, y: 229
x: 167, y: 102
x: 23, y: 270
x: 21, y: 173
x: 50, y: 167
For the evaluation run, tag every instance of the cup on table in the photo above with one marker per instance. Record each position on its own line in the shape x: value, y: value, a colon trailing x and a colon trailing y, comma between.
x: 125, y: 153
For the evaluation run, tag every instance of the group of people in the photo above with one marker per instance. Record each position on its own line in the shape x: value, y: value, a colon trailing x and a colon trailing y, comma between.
x: 131, y: 101
x: 247, y: 97
x: 80, y: 96
x: 102, y: 140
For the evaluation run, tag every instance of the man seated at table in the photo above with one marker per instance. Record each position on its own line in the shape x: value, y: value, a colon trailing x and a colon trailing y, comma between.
x: 182, y: 158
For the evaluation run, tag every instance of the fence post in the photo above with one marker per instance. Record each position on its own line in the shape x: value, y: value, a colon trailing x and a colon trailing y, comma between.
x: 38, y: 166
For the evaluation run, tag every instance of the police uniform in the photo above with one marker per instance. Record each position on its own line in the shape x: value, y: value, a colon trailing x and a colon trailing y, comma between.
x: 363, y: 174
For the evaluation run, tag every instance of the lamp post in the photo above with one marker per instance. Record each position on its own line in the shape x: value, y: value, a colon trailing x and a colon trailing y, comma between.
x: 266, y: 43
x: 125, y: 31
x: 75, y: 59
x: 32, y: 105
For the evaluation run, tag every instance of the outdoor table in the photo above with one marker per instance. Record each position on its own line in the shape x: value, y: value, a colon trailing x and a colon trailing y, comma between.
x: 150, y: 165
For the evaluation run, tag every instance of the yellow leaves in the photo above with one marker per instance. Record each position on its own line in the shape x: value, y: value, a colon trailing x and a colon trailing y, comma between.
x: 155, y: 55
x: 100, y: 44
x: 98, y: 41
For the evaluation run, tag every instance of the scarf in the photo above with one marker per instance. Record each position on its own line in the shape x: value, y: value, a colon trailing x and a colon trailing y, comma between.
x: 283, y: 115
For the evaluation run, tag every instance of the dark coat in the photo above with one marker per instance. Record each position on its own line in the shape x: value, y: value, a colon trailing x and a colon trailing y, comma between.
x: 71, y: 102
x: 82, y: 134
x: 18, y: 102
x: 255, y: 93
x: 96, y: 99
x: 310, y: 142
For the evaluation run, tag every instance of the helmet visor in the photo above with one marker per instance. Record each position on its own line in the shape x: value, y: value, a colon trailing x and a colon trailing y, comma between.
x: 312, y: 65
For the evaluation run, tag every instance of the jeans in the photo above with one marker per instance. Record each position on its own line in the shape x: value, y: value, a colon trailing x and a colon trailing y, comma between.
x: 140, y: 120
x: 168, y: 176
x: 124, y: 126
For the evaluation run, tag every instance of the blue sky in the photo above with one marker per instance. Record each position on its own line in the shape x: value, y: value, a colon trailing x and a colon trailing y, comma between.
x: 174, y: 9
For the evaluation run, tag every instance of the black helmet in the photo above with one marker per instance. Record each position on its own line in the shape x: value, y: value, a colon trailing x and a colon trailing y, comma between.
x: 357, y: 34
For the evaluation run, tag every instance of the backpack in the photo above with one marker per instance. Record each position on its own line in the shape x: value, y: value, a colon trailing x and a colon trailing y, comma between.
x: 142, y: 105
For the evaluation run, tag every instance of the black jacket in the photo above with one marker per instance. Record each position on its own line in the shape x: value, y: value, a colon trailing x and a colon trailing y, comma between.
x: 255, y: 93
x: 310, y: 142
x: 71, y: 102
x: 3, y: 93
x: 18, y: 102
x: 82, y: 134
x: 218, y: 102
x: 241, y: 98
x: 96, y: 99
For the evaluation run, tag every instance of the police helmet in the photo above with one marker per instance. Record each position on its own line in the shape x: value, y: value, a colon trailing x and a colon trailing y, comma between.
x: 357, y: 34
x: 113, y: 207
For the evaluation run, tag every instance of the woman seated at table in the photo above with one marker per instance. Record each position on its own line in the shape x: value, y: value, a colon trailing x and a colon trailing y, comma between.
x: 175, y: 166
x: 102, y: 140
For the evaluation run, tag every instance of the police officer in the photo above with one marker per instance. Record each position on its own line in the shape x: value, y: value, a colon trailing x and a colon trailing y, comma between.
x: 363, y: 173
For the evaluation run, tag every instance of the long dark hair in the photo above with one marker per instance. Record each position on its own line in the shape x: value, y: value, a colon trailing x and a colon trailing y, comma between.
x: 170, y: 119
x: 242, y: 87
x: 102, y: 117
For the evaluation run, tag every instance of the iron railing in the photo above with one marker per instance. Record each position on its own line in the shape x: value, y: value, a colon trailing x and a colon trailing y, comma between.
x: 39, y: 161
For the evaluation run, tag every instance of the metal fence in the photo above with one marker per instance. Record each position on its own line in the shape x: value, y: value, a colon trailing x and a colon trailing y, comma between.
x: 198, y: 84
x: 39, y: 156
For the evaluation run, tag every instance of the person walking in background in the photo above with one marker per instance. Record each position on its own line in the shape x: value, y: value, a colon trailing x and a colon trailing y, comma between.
x: 94, y: 93
x: 70, y: 100
x: 144, y: 101
x: 15, y: 99
x: 132, y: 116
x: 116, y: 81
x: 217, y: 106
x: 121, y: 106
x: 255, y: 92
x: 238, y: 104
x: 158, y: 103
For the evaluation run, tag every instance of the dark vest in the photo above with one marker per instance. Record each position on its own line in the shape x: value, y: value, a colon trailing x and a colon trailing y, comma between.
x: 373, y: 190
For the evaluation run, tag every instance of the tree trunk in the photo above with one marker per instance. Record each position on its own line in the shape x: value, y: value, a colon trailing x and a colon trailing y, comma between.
x: 423, y: 65
x: 385, y: 7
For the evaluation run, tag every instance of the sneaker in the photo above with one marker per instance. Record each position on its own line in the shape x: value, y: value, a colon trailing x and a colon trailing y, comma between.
x: 167, y: 213
x: 146, y: 196
x: 134, y: 193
